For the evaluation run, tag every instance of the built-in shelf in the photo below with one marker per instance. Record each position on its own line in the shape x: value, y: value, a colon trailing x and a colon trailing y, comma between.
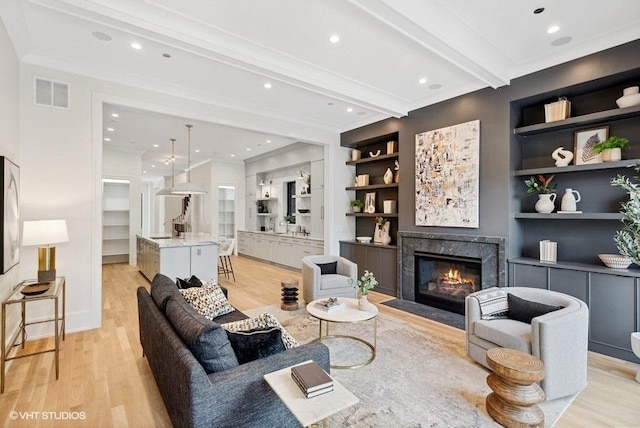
x: 302, y: 196
x: 373, y: 159
x: 372, y: 214
x: 266, y: 215
x: 373, y: 186
x: 370, y: 244
x: 585, y: 267
x: 577, y: 168
x: 572, y: 122
x: 266, y: 199
x: 115, y: 238
x: 576, y: 216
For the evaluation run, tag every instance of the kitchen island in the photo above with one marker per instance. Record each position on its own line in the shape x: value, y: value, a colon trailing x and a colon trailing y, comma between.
x: 178, y: 257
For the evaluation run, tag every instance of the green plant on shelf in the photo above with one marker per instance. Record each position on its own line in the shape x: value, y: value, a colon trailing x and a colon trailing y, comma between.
x: 628, y: 239
x: 612, y: 142
x: 357, y: 203
x: 540, y: 184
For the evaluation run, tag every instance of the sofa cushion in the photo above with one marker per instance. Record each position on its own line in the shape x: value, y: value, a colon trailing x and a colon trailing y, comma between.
x: 208, y: 300
x: 188, y: 282
x: 207, y: 341
x: 263, y: 321
x: 255, y: 344
x: 162, y: 289
x: 525, y: 310
x: 505, y: 333
x: 328, y: 268
x: 331, y: 281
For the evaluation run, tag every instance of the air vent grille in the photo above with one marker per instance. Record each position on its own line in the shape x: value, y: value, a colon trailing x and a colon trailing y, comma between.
x: 52, y: 94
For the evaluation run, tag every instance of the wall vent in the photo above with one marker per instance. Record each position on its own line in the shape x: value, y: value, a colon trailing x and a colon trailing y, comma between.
x: 52, y: 94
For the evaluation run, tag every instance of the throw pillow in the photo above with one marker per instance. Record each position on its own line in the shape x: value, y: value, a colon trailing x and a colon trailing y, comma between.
x: 493, y: 303
x: 188, y: 283
x: 328, y: 268
x: 207, y: 340
x: 208, y: 300
x: 526, y: 310
x: 263, y: 321
x: 255, y: 344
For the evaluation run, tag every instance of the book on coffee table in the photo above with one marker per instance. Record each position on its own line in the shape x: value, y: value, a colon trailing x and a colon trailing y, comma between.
x: 330, y: 305
x: 311, y: 378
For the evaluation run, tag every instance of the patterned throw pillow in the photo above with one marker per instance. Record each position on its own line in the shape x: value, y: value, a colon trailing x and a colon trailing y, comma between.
x: 208, y: 300
x: 262, y: 322
x: 493, y: 303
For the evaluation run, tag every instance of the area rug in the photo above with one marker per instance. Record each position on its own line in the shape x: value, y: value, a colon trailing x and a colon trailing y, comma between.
x: 435, y: 314
x: 416, y: 379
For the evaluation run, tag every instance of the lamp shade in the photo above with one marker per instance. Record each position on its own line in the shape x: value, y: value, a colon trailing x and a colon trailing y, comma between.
x: 44, y: 232
x: 188, y: 188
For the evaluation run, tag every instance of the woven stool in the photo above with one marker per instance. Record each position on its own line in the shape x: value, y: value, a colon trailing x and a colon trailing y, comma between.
x: 289, y: 295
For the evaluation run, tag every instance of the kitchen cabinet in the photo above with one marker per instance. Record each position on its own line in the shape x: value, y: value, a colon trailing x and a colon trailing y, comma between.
x: 284, y: 250
x: 379, y: 259
x: 177, y: 258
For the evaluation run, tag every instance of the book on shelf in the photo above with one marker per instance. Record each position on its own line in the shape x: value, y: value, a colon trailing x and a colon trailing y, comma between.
x: 311, y: 378
x: 330, y: 305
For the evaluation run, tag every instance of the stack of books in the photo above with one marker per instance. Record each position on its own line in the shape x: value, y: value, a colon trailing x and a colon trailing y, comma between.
x: 311, y: 379
x: 330, y: 305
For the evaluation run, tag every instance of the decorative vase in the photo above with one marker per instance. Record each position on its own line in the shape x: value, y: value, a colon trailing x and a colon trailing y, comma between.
x: 388, y: 176
x: 569, y: 200
x: 363, y: 302
x: 381, y: 234
x: 545, y: 202
x: 396, y: 179
x: 630, y: 97
x: 355, y: 154
x: 356, y: 209
x: 615, y: 154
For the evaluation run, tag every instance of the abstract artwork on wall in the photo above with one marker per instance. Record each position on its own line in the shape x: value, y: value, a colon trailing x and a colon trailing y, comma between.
x: 10, y: 212
x: 448, y: 176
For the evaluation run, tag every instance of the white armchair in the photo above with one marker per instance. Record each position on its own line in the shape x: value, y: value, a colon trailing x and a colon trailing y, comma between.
x: 558, y: 338
x: 317, y: 286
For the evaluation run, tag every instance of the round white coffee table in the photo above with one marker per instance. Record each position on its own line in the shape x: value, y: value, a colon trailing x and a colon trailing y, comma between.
x: 348, y: 314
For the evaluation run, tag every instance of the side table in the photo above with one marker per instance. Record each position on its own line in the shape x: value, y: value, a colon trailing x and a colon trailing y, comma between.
x: 55, y: 291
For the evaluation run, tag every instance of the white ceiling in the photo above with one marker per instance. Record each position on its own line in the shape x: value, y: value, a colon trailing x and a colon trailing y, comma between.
x: 223, y: 52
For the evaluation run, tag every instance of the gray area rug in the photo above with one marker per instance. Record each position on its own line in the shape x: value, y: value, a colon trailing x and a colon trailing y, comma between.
x: 435, y: 314
x: 416, y: 379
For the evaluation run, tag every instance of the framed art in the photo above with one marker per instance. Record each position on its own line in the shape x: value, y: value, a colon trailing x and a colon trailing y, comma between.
x: 10, y: 213
x: 448, y: 176
x: 584, y: 140
x: 370, y: 203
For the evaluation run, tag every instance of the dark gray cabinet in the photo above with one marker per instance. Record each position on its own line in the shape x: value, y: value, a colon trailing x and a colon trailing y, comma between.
x: 613, y: 297
x: 380, y: 260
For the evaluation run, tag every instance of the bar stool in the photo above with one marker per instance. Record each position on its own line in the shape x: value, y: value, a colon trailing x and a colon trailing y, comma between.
x: 225, y: 250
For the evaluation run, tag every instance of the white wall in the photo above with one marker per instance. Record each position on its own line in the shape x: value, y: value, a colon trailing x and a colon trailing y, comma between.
x: 9, y: 147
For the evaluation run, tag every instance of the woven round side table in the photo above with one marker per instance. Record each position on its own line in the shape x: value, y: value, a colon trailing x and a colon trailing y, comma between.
x: 289, y: 295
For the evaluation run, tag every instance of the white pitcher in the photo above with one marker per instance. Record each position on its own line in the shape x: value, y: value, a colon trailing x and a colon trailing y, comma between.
x: 569, y: 200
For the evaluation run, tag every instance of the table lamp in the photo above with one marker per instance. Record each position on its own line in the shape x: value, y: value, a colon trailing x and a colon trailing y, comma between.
x: 44, y: 233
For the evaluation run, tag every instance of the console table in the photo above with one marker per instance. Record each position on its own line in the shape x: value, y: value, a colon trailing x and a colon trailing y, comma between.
x: 55, y: 291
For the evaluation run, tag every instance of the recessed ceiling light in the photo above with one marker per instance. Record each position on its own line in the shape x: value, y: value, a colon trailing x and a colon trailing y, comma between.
x: 422, y: 80
x: 561, y: 41
x: 349, y: 109
x: 110, y: 129
x: 267, y: 85
x: 101, y: 36
x: 166, y: 55
x: 553, y: 29
x: 248, y: 149
x: 144, y: 171
x: 166, y: 162
x: 232, y: 155
x: 153, y: 166
x: 538, y: 10
x: 197, y: 150
x: 115, y: 115
x: 137, y: 46
x: 268, y: 141
x: 334, y: 38
x: 107, y: 139
x: 156, y: 145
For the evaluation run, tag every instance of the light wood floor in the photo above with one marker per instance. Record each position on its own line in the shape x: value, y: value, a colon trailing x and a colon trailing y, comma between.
x: 105, y: 380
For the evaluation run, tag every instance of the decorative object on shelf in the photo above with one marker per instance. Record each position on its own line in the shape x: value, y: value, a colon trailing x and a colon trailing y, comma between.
x: 615, y: 261
x: 396, y: 178
x: 584, y: 142
x: 374, y: 155
x: 540, y: 184
x: 546, y: 203
x: 362, y: 180
x: 388, y: 176
x: 356, y: 205
x: 355, y: 154
x: 44, y: 233
x: 630, y: 97
x: 611, y: 148
x: 389, y: 206
x: 548, y: 251
x: 10, y: 211
x: 266, y: 195
x: 381, y: 233
x: 304, y: 210
x: 261, y: 207
x: 453, y: 151
x: 569, y: 200
x: 628, y: 239
x: 391, y: 147
x: 364, y: 284
x: 562, y: 157
x: 363, y: 239
x: 558, y: 110
x: 370, y: 203
x: 306, y: 177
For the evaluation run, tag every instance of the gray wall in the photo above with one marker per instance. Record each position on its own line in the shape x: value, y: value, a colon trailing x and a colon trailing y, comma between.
x: 493, y: 108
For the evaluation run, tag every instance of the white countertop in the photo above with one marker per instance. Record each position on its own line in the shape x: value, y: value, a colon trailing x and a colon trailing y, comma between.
x: 284, y: 235
x: 189, y: 241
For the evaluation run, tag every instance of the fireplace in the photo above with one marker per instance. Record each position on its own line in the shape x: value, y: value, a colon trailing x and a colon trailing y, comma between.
x: 479, y: 260
x: 444, y: 281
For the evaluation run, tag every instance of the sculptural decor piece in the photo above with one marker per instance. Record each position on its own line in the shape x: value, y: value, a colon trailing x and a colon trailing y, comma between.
x: 562, y: 157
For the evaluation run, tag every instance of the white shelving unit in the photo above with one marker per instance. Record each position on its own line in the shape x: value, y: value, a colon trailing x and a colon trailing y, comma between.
x: 226, y: 211
x: 115, y: 221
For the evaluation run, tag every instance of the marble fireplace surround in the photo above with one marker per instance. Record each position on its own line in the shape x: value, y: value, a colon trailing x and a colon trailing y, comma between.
x: 490, y: 250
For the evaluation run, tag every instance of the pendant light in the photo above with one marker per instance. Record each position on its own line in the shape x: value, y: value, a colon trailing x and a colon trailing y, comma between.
x: 188, y: 188
x: 167, y: 190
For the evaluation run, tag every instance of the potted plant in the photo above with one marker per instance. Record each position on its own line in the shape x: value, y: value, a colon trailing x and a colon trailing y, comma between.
x: 611, y: 148
x: 356, y: 205
x: 545, y: 190
x: 628, y: 239
x: 364, y: 284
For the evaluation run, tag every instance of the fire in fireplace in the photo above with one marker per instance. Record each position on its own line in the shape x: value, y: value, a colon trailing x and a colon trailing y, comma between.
x: 443, y: 281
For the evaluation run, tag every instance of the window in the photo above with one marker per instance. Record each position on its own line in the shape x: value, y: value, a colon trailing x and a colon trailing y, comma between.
x: 291, y: 201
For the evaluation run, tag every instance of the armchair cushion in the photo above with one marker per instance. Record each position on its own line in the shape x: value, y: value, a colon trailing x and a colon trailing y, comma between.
x: 328, y: 268
x: 505, y: 333
x: 525, y: 310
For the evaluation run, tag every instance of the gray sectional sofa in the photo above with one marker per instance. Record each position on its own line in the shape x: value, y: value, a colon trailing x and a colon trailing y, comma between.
x: 233, y: 397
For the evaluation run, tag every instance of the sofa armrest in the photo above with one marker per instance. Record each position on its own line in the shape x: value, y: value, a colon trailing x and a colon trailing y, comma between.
x: 347, y: 268
x: 310, y: 279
